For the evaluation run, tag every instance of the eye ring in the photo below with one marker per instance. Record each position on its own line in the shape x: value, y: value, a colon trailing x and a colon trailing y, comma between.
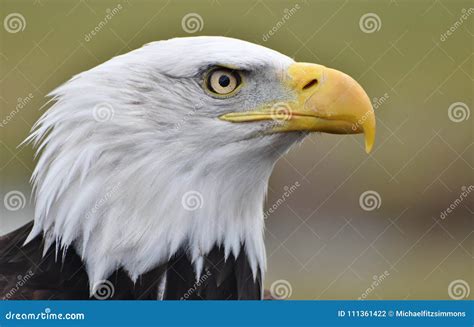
x: 223, y: 81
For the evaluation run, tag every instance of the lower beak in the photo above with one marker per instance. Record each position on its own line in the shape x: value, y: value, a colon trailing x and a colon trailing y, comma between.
x: 326, y: 100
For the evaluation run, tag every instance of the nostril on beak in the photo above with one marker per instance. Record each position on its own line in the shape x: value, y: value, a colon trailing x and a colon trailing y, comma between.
x: 310, y: 84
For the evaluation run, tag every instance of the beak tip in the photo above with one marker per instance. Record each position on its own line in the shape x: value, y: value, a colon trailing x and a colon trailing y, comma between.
x: 369, y: 140
x: 368, y: 148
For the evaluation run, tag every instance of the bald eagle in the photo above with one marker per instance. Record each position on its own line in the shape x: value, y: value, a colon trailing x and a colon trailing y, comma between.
x: 153, y: 169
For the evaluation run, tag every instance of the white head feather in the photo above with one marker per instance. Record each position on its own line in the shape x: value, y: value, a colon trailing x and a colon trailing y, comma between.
x: 125, y: 142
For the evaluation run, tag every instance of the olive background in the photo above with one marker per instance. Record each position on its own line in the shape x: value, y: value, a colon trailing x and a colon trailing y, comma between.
x: 321, y: 242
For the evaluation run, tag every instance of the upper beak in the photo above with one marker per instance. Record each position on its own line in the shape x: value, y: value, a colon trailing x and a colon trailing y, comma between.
x: 327, y: 100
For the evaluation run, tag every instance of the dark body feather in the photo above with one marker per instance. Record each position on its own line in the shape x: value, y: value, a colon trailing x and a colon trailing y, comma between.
x: 26, y: 274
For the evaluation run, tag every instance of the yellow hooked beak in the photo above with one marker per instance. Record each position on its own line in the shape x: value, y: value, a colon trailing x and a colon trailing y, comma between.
x: 327, y: 101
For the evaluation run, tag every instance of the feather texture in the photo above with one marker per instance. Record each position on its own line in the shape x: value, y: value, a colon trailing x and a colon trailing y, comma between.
x: 126, y: 145
x: 27, y: 274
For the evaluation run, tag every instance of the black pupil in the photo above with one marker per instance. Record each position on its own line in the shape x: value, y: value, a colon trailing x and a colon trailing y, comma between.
x: 224, y: 81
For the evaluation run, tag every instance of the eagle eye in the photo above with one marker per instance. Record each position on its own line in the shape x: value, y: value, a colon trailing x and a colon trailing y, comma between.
x: 223, y: 81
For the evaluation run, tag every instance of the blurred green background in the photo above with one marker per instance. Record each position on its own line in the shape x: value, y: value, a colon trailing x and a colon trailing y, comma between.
x: 322, y: 242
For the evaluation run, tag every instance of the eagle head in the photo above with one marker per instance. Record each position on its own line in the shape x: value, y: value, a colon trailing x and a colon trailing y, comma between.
x: 171, y: 147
